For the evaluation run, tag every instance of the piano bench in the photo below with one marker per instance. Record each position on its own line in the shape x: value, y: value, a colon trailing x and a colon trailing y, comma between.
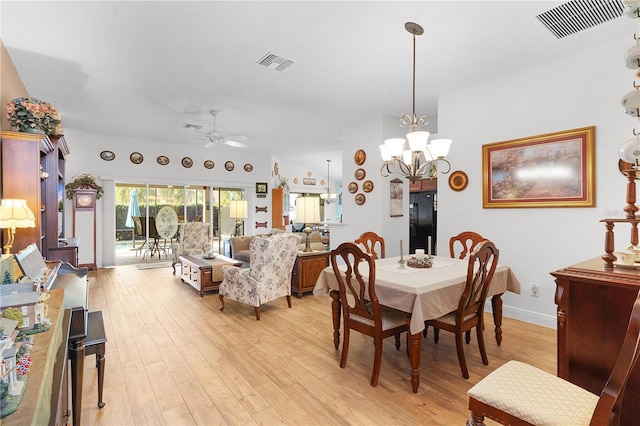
x: 95, y: 344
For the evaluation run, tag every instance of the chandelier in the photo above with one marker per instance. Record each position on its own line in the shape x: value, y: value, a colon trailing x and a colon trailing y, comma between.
x: 422, y: 157
x: 328, y: 196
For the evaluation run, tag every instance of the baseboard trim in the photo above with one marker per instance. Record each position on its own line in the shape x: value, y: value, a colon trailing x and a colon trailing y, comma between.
x: 549, y: 321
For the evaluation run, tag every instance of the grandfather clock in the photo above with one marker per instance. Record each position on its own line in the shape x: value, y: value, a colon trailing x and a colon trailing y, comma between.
x: 84, y: 226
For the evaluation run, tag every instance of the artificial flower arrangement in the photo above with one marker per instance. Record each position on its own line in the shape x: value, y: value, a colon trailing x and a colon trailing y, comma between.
x: 284, y: 184
x: 28, y: 114
x: 85, y: 181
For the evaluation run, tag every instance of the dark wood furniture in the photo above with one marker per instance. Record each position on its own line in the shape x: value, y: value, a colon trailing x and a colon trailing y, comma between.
x: 594, y: 305
x: 470, y: 313
x: 95, y: 343
x: 66, y: 251
x: 361, y: 310
x: 507, y: 396
x: 32, y: 168
x: 306, y: 270
x: 204, y: 274
x: 468, y: 240
x: 370, y: 240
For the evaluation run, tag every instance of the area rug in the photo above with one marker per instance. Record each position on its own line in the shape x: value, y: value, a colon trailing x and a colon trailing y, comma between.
x: 153, y: 265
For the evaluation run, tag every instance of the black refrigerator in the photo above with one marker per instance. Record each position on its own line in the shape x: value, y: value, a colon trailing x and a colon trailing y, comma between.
x: 423, y: 207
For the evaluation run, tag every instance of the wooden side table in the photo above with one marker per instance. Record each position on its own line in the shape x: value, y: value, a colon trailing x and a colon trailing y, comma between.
x: 306, y: 271
x: 204, y: 274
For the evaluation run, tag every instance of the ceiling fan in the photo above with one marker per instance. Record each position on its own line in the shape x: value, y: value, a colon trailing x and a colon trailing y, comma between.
x: 214, y: 137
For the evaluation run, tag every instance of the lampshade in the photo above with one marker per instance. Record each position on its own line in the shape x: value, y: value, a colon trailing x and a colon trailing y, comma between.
x: 418, y: 140
x: 440, y: 147
x: 308, y: 210
x: 238, y: 209
x: 394, y: 146
x: 16, y: 214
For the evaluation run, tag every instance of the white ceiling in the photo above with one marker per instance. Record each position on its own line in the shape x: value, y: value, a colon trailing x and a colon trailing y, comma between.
x: 144, y: 69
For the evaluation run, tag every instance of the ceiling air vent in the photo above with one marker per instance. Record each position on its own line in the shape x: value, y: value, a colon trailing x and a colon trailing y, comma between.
x: 274, y: 62
x: 577, y: 15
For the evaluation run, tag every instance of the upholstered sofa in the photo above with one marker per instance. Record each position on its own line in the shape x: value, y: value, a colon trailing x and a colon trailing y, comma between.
x: 240, y: 245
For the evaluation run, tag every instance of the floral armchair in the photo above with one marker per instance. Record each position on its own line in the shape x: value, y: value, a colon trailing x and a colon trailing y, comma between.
x: 268, y: 277
x: 194, y: 238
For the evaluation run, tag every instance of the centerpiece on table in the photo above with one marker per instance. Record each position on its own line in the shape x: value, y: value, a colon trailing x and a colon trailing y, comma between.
x: 84, y: 181
x: 32, y: 115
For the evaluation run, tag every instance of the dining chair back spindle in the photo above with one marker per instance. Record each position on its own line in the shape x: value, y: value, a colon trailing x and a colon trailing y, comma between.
x: 520, y: 394
x: 361, y: 310
x: 483, y: 261
x: 370, y: 241
x: 468, y: 240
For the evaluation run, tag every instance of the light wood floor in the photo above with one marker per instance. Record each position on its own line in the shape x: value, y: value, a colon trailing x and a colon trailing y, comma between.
x: 173, y: 358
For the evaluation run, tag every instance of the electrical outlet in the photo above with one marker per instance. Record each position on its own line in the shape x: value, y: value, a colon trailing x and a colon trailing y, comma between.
x: 534, y: 290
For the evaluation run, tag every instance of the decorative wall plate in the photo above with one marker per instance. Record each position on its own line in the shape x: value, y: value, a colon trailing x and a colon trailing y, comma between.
x: 353, y: 187
x: 360, y: 174
x: 295, y: 180
x: 360, y: 199
x: 276, y: 169
x: 458, y: 180
x: 248, y: 167
x: 229, y: 165
x: 208, y: 164
x: 136, y: 158
x: 187, y: 162
x: 163, y: 160
x: 107, y: 155
x: 360, y: 157
x: 367, y: 186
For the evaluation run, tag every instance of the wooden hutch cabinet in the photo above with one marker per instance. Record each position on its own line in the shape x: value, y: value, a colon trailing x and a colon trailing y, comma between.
x: 33, y: 169
x: 594, y: 305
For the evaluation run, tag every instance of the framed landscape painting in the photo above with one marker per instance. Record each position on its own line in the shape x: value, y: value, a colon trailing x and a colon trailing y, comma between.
x: 550, y: 170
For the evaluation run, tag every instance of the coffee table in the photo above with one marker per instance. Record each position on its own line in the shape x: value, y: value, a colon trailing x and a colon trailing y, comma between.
x: 204, y: 274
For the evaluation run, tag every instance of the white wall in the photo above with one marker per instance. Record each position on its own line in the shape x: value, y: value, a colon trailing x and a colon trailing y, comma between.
x: 374, y: 214
x: 577, y: 91
x: 85, y: 158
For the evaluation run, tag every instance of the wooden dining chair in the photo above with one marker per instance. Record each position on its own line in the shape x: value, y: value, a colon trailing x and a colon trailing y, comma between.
x: 468, y: 240
x: 370, y: 240
x: 483, y: 261
x: 520, y: 394
x: 361, y: 310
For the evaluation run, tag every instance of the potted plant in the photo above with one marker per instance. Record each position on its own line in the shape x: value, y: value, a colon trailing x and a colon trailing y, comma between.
x: 33, y: 115
x: 84, y: 181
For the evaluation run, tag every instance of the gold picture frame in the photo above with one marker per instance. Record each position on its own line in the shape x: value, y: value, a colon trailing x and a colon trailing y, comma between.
x: 549, y: 170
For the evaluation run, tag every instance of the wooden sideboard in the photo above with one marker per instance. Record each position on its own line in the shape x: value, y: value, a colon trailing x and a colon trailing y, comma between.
x: 306, y: 271
x: 594, y: 305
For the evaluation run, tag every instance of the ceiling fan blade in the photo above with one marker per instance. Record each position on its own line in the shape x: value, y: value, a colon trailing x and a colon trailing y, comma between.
x: 209, y: 144
x: 237, y: 137
x: 235, y: 144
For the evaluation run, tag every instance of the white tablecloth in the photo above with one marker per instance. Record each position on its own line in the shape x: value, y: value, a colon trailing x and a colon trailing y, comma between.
x: 425, y: 293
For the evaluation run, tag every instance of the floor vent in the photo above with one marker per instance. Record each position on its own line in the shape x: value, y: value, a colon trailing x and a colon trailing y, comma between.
x: 274, y: 62
x: 577, y: 15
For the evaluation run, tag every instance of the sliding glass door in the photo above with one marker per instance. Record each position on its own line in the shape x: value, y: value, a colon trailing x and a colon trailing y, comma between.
x: 137, y: 205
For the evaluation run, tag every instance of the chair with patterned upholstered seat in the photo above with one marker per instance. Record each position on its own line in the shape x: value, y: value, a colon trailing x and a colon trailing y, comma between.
x: 468, y: 240
x: 194, y: 238
x: 519, y: 394
x: 268, y: 276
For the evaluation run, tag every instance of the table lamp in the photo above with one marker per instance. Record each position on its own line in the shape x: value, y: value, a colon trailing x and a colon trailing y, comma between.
x: 15, y: 214
x: 307, y: 212
x: 238, y: 210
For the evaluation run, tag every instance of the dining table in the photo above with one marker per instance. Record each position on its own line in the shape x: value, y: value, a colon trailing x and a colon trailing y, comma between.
x: 423, y: 293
